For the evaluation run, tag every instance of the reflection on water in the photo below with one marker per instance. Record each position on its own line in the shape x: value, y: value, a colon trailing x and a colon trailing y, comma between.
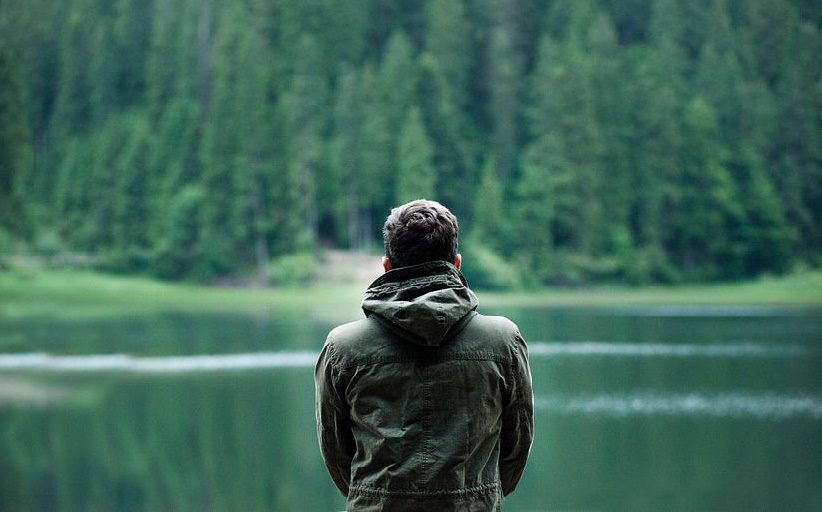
x: 704, y: 408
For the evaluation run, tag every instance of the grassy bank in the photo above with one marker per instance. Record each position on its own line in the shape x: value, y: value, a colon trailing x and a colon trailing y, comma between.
x: 46, y: 292
x: 72, y: 292
x: 801, y: 289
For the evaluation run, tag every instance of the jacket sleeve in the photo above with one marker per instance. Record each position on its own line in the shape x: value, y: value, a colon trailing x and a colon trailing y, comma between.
x: 517, y: 420
x: 333, y: 427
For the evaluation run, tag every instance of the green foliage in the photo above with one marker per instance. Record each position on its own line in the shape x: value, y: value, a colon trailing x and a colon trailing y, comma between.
x: 491, y: 222
x: 416, y: 176
x: 293, y: 269
x: 484, y: 267
x: 6, y: 244
x: 15, y: 145
x: 305, y: 115
x: 505, y: 65
x: 448, y: 41
x: 650, y: 141
x: 178, y: 251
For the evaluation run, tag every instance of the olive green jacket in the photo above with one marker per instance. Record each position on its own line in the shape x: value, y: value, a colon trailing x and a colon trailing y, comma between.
x: 424, y: 404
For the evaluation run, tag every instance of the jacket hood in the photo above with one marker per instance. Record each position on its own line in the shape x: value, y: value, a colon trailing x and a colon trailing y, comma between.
x: 426, y: 304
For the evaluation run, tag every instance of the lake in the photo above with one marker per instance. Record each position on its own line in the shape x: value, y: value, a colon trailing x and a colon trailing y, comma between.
x: 637, y: 408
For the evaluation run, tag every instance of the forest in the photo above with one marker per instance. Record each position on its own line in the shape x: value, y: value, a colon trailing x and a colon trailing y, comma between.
x: 578, y: 141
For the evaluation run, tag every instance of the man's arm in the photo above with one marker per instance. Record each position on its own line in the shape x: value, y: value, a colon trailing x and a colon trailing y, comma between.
x: 517, y: 421
x: 333, y: 427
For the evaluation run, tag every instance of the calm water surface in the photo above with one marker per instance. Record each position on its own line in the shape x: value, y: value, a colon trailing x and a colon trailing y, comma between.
x: 647, y: 408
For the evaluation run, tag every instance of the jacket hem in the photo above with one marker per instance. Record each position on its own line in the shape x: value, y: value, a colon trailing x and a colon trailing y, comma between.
x: 366, y: 490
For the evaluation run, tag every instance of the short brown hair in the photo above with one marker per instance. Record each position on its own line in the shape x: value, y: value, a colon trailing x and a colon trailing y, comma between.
x: 420, y: 231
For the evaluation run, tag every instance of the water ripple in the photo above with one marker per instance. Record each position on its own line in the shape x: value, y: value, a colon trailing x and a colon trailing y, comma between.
x: 764, y: 406
x: 601, y: 348
x: 172, y: 364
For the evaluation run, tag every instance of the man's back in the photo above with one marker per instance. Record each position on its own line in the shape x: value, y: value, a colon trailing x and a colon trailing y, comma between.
x: 425, y: 404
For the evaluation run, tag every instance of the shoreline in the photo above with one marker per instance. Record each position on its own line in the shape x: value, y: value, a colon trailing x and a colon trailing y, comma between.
x: 80, y: 292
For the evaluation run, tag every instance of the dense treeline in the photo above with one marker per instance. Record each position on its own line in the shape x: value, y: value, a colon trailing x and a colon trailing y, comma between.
x: 578, y: 140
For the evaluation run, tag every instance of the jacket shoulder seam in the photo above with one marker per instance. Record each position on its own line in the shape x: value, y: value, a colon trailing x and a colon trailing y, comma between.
x: 460, y: 356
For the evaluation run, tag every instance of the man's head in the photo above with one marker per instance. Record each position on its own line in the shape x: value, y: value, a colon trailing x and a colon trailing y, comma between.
x: 418, y: 232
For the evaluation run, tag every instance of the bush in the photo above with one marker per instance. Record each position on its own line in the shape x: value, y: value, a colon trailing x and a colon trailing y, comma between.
x: 563, y: 268
x: 47, y: 243
x: 650, y: 265
x: 485, y: 268
x: 293, y: 269
x: 128, y: 260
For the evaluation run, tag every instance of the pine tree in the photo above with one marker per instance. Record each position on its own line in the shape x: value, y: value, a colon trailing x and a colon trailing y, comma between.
x: 454, y: 150
x: 131, y: 35
x: 563, y: 117
x: 490, y: 224
x: 377, y: 171
x: 178, y: 253
x: 15, y: 146
x: 250, y: 211
x: 655, y: 143
x: 305, y: 114
x: 505, y: 74
x: 796, y: 155
x: 174, y: 159
x: 611, y: 114
x: 397, y: 80
x: 86, y: 194
x: 219, y: 150
x: 345, y: 161
x: 416, y: 175
x: 448, y: 42
x: 706, y: 220
x: 73, y: 109
x: 161, y: 65
x: 133, y: 187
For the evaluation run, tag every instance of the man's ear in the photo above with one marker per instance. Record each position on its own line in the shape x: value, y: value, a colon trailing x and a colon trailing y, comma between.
x: 458, y: 261
x: 386, y: 263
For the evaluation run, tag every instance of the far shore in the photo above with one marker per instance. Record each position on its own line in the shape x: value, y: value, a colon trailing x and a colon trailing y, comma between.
x: 25, y: 292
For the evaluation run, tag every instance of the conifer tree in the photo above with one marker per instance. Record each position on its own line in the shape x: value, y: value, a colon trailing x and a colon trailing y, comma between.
x: 161, y: 64
x: 544, y: 206
x: 416, y: 175
x: 131, y: 35
x: 505, y: 73
x: 655, y: 144
x: 220, y: 147
x: 453, y: 152
x: 797, y: 173
x: 174, y: 159
x: 73, y: 109
x: 707, y: 217
x: 15, y: 146
x: 377, y: 169
x: 133, y: 187
x: 448, y: 42
x: 490, y: 217
x: 305, y: 114
x: 563, y: 116
x: 178, y: 253
x: 345, y: 160
x: 397, y: 78
x: 611, y: 116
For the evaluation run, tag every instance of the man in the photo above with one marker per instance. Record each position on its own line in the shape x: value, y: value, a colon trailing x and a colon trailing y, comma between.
x: 424, y: 405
